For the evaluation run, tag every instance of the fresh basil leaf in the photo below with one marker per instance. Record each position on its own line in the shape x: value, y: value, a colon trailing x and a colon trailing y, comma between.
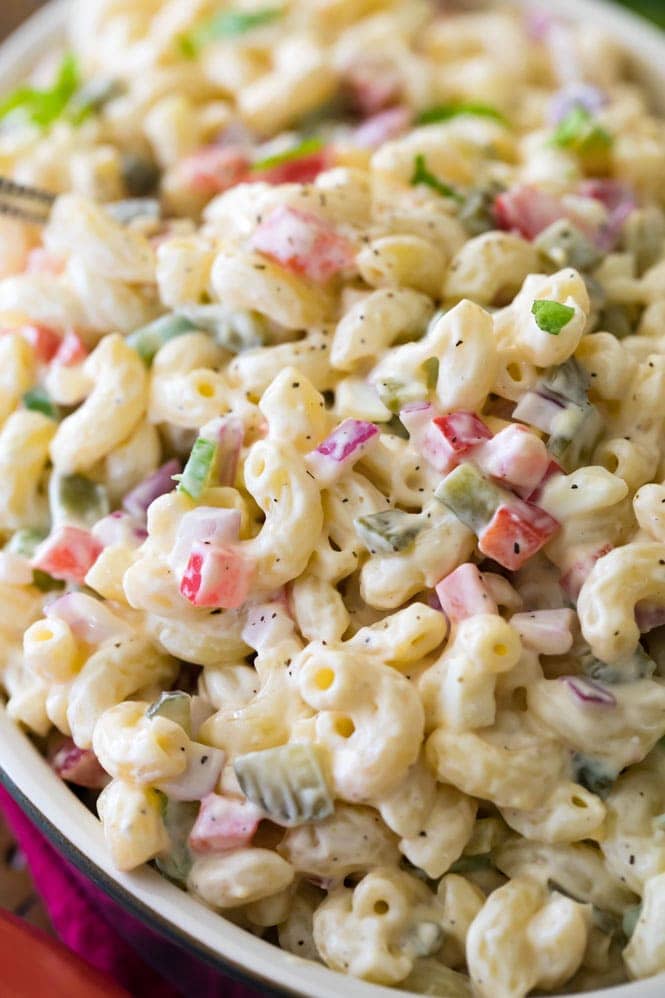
x: 306, y: 148
x: 444, y: 112
x: 227, y: 24
x: 421, y: 175
x: 552, y: 316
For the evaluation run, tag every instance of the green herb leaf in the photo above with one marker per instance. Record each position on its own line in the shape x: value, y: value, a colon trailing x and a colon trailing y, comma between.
x: 552, y: 316
x: 43, y: 107
x: 306, y: 148
x: 444, y: 112
x: 421, y: 175
x: 580, y: 132
x: 227, y: 24
x: 38, y: 400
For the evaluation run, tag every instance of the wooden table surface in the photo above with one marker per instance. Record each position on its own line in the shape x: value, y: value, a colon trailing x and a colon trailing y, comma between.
x: 12, y: 12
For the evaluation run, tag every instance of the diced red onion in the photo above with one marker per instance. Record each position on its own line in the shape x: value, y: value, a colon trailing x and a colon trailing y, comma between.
x: 345, y: 445
x: 576, y: 95
x: 620, y: 202
x: 382, y: 127
x: 223, y: 824
x: 158, y: 484
x: 589, y: 692
x: 79, y: 766
x: 204, y: 767
x: 207, y: 525
x: 89, y: 619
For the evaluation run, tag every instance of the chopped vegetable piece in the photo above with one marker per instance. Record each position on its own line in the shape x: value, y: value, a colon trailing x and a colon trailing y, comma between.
x: 581, y: 133
x: 549, y: 632
x: 421, y: 175
x: 582, y: 95
x: 527, y: 210
x: 477, y: 213
x: 235, y: 331
x: 44, y: 107
x: 430, y: 369
x: 140, y: 175
x: 389, y: 531
x: 382, y: 127
x: 470, y: 496
x: 445, y: 112
x: 226, y: 24
x: 573, y: 580
x: 207, y: 525
x: 68, y: 553
x: 594, y: 774
x: 340, y: 451
x: 70, y: 351
x: 44, y: 341
x: 637, y: 666
x: 299, y: 151
x: 288, y: 783
x: 464, y: 594
x: 214, y: 169
x: 89, y: 619
x: 224, y: 823
x: 515, y: 533
x: 228, y: 434
x: 77, y: 500
x: 563, y: 244
x: 23, y: 543
x: 204, y: 768
x: 303, y: 243
x: 199, y: 470
x: 216, y: 577
x: 38, y: 400
x: 552, y: 316
x: 179, y: 818
x: 574, y: 435
x: 514, y: 456
x: 589, y: 692
x: 79, y: 766
x: 138, y: 501
x: 620, y: 202
x: 150, y: 339
x: 569, y: 380
x: 396, y: 394
x: 174, y: 705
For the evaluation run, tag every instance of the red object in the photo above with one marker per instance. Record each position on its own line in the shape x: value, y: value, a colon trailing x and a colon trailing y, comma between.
x: 43, y: 340
x: 373, y: 87
x: 224, y: 823
x: 552, y: 469
x: 448, y: 438
x: 515, y: 533
x: 515, y: 456
x: 576, y: 576
x: 79, y: 766
x: 35, y: 965
x: 295, y: 171
x: 71, y: 351
x: 463, y: 594
x: 69, y: 553
x: 303, y: 243
x: 382, y: 127
x: 216, y: 577
x: 214, y: 169
x: 527, y: 210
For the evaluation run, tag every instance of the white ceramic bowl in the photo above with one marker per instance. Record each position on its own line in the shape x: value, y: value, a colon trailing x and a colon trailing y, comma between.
x: 61, y: 816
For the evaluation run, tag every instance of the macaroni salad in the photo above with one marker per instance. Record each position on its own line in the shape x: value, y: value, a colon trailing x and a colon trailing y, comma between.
x: 332, y: 402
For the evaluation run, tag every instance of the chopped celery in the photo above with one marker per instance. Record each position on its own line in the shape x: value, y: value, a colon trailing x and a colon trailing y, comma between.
x: 472, y: 497
x: 637, y: 666
x: 552, y: 316
x: 150, y: 339
x: 38, y: 400
x: 235, y: 331
x: 199, y: 470
x: 594, y: 774
x: 389, y: 531
x: 562, y: 244
x: 77, y: 500
x: 288, y: 783
x: 631, y: 917
x: 178, y: 817
x: 176, y: 706
x: 421, y: 175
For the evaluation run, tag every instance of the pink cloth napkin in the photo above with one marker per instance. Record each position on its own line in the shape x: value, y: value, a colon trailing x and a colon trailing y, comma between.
x: 99, y: 930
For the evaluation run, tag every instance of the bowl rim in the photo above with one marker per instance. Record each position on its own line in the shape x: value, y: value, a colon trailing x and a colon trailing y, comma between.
x: 71, y: 827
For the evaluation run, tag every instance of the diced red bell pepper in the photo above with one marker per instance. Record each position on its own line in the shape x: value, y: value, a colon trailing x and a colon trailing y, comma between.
x: 224, y: 823
x: 515, y: 533
x: 44, y: 341
x: 382, y: 127
x: 295, y: 171
x: 464, y: 594
x: 68, y: 554
x: 71, y: 351
x: 304, y: 244
x: 551, y: 470
x: 216, y: 577
x: 214, y: 169
x: 573, y: 580
x: 527, y: 210
x: 79, y: 766
x: 448, y: 438
x: 514, y: 456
